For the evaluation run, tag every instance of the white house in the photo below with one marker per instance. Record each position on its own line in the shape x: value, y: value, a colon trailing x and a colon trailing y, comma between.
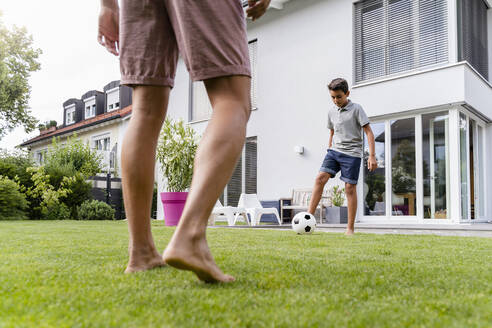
x: 420, y: 68
x: 98, y: 118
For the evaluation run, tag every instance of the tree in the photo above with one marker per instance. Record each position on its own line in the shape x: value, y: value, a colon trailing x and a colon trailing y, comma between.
x: 18, y: 59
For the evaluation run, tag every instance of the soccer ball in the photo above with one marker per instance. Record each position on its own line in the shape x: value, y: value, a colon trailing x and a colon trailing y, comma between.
x: 304, y: 223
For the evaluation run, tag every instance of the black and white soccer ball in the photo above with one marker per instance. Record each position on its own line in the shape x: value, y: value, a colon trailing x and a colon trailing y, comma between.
x: 304, y: 223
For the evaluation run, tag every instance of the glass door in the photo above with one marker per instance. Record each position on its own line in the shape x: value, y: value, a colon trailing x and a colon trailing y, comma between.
x: 435, y: 130
x: 463, y: 125
x: 480, y: 173
x: 403, y: 168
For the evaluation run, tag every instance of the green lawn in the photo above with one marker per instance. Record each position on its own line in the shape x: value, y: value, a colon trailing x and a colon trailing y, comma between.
x: 70, y: 274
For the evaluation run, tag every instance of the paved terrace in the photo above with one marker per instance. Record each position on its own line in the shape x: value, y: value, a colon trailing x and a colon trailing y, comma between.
x: 463, y: 230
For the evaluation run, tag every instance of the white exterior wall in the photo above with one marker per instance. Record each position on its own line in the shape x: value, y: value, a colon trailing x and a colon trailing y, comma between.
x: 301, y: 48
x: 293, y: 98
x: 489, y: 31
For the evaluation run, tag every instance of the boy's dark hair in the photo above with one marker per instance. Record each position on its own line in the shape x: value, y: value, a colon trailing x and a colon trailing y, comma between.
x: 339, y: 84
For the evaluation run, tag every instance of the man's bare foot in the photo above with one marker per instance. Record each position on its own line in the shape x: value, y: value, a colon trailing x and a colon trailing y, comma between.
x: 142, y: 260
x: 349, y: 232
x: 191, y: 253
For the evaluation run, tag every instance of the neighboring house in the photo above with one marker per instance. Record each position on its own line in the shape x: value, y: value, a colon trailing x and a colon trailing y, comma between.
x: 98, y: 118
x: 420, y: 68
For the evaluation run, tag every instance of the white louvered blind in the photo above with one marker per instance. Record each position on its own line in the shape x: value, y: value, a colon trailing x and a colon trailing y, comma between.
x: 244, y: 177
x: 392, y: 36
x: 473, y: 34
x: 253, y: 57
x: 250, y: 154
x: 201, y: 107
x: 235, y: 186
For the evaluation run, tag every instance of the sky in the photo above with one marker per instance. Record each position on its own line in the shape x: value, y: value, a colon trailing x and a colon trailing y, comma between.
x: 72, y: 61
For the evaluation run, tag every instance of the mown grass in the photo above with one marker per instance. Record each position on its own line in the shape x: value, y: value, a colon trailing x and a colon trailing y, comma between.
x: 70, y: 274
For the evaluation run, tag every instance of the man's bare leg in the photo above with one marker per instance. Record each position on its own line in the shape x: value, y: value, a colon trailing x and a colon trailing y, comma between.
x: 351, y: 192
x: 215, y: 160
x: 137, y: 164
x: 319, y: 184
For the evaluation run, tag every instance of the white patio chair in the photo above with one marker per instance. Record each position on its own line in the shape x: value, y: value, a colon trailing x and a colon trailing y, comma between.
x: 230, y: 213
x: 254, y: 208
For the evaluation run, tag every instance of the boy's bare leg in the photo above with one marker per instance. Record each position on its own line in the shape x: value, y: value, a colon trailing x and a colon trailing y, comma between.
x: 137, y: 164
x: 319, y: 184
x: 215, y: 160
x: 351, y: 192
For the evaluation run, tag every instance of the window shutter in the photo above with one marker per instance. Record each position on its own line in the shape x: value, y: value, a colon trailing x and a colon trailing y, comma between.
x: 251, y: 165
x: 392, y: 36
x: 202, y: 109
x: 253, y: 57
x: 234, y: 186
x: 473, y: 38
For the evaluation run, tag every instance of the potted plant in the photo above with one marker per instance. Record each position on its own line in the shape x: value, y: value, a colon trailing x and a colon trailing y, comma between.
x: 337, y: 213
x: 176, y: 154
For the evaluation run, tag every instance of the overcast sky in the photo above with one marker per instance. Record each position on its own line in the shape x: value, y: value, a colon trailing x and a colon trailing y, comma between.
x: 72, y: 61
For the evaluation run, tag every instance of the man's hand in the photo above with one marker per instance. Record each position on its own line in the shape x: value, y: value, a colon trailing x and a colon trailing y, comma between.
x: 372, y: 164
x: 256, y: 8
x: 108, y: 34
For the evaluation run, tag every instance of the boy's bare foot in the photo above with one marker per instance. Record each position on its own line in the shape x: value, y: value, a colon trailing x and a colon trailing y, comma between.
x: 142, y: 260
x: 349, y: 232
x: 188, y: 252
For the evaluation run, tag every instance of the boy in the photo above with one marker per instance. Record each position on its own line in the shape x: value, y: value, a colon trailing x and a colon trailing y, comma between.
x: 211, y: 38
x: 345, y: 121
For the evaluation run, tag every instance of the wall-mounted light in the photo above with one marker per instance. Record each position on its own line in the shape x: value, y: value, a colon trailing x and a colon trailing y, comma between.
x: 299, y: 149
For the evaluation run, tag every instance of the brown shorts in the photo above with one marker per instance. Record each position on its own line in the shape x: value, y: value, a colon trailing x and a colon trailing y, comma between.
x: 210, y: 35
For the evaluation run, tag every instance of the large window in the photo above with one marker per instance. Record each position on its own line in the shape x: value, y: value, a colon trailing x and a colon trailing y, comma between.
x: 39, y: 156
x: 253, y: 57
x: 90, y: 107
x: 102, y: 145
x: 473, y: 34
x: 435, y: 162
x: 464, y: 166
x: 392, y: 36
x: 113, y: 99
x: 416, y: 157
x: 480, y: 174
x: 244, y: 177
x: 201, y: 109
x: 70, y: 115
x: 403, y: 168
x: 374, y: 182
x: 90, y: 111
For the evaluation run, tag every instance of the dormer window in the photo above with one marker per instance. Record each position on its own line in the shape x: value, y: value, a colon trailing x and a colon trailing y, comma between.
x: 113, y: 99
x: 90, y: 107
x: 70, y: 114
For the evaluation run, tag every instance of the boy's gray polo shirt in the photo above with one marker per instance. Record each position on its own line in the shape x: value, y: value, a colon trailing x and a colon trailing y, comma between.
x: 347, y: 123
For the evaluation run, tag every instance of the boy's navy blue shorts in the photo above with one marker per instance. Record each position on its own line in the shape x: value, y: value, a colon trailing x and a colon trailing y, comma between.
x: 349, y: 165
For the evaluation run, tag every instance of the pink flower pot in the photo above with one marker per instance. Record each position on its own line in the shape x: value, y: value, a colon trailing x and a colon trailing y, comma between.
x: 173, y: 204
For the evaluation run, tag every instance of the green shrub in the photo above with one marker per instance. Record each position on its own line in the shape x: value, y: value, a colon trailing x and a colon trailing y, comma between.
x: 176, y: 150
x: 337, y: 196
x: 13, y: 203
x: 15, y: 163
x: 46, y: 195
x: 80, y: 189
x: 56, y: 211
x: 95, y: 210
x: 76, y: 154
